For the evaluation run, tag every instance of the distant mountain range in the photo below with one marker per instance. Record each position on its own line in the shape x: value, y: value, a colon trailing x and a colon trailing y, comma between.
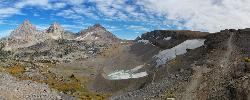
x: 27, y: 35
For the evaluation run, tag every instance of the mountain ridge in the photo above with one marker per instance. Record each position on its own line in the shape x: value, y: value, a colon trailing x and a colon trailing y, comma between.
x: 26, y: 35
x: 216, y: 68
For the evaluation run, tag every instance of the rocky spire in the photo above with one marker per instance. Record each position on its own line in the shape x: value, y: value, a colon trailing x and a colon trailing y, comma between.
x: 97, y: 25
x: 24, y: 31
x: 55, y: 31
x: 55, y: 28
x: 23, y: 36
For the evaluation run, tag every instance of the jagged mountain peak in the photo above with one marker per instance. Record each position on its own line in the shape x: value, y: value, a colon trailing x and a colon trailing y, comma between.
x: 23, y: 36
x: 24, y: 30
x: 55, y: 31
x: 97, y: 33
x: 26, y: 22
x: 55, y: 27
x: 98, y: 25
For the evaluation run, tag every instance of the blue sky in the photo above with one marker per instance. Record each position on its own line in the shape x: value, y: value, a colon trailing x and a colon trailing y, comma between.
x: 126, y: 18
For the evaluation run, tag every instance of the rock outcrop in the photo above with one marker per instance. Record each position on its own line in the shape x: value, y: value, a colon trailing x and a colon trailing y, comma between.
x: 169, y: 38
x: 12, y: 89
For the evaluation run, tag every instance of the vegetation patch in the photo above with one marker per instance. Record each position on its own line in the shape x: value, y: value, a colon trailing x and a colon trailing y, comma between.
x: 174, y: 61
x: 71, y: 85
x: 16, y: 70
x: 75, y: 87
x: 247, y: 60
x: 169, y: 95
x: 1, y: 69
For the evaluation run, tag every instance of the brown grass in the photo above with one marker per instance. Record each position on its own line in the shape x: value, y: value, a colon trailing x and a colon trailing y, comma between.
x: 174, y: 61
x: 71, y: 85
x: 15, y: 70
x: 169, y: 95
x: 247, y: 60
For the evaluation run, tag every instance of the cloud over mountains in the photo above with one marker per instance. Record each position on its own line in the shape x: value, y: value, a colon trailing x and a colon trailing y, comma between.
x: 204, y: 15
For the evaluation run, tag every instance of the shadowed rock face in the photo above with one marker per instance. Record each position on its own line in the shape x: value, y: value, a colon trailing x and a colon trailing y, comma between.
x: 98, y: 34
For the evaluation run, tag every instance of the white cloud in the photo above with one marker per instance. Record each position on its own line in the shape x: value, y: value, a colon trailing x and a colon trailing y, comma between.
x: 72, y: 27
x: 137, y: 28
x: 113, y: 9
x: 75, y: 2
x: 8, y: 9
x: 35, y: 14
x: 23, y: 3
x: 211, y: 15
x: 42, y: 27
x: 7, y: 12
x: 59, y: 5
x: 69, y: 13
x: 44, y: 4
x: 87, y: 11
x: 208, y: 15
x: 112, y: 28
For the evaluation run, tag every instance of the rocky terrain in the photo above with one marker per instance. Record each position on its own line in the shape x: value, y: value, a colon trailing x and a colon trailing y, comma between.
x: 208, y: 72
x: 12, y: 89
x: 94, y: 64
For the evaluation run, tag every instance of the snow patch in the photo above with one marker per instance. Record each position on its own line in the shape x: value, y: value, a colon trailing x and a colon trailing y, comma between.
x: 83, y: 38
x: 167, y: 38
x: 144, y: 41
x: 127, y: 74
x: 163, y: 56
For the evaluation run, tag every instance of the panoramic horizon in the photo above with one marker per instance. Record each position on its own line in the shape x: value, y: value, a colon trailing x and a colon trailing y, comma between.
x: 124, y: 50
x: 127, y: 19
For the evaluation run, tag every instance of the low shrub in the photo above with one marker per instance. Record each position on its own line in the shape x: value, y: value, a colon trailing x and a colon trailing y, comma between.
x: 247, y: 59
x: 15, y: 70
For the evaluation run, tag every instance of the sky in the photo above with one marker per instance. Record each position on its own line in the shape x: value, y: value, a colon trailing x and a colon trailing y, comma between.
x: 127, y: 19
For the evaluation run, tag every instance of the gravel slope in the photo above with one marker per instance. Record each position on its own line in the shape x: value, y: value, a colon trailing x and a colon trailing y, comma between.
x: 12, y: 89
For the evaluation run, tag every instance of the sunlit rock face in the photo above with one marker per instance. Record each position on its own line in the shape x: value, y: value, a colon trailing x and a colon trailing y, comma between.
x: 55, y: 31
x: 25, y: 31
x: 24, y: 36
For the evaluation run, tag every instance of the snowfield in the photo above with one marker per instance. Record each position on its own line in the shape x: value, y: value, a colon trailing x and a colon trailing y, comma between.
x: 170, y: 54
x: 127, y: 74
x: 167, y: 38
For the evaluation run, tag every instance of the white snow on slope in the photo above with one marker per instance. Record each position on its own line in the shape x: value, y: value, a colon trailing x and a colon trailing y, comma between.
x: 170, y: 54
x: 83, y: 38
x: 127, y: 74
x: 144, y: 41
x: 167, y: 38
